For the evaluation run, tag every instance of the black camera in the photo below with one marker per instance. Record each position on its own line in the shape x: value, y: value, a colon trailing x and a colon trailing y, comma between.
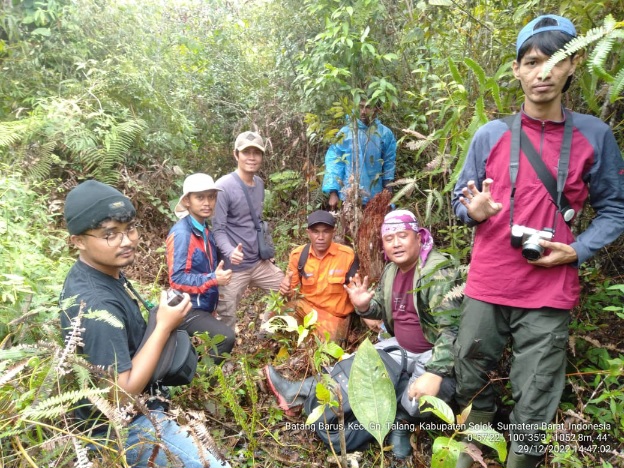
x: 174, y: 297
x: 528, y: 239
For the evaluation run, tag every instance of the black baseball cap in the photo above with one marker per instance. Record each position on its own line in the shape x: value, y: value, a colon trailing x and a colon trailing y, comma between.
x: 321, y: 216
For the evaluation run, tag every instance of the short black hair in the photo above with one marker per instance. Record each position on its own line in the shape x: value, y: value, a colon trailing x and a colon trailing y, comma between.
x: 128, y: 218
x: 547, y: 42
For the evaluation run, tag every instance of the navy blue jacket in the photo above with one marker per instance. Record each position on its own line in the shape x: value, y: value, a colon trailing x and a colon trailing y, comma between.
x: 191, y: 264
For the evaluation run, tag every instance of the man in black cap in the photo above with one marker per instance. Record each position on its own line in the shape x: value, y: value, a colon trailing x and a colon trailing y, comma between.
x: 322, y: 267
x: 102, y: 226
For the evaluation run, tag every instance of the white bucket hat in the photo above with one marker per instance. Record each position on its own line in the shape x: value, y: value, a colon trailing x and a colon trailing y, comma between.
x: 194, y: 183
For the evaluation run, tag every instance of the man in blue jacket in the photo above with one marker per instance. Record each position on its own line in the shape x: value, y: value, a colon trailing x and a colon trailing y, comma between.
x: 374, y: 167
x: 192, y: 261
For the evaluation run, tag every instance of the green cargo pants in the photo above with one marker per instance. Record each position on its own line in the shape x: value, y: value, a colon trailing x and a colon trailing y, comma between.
x: 539, y: 338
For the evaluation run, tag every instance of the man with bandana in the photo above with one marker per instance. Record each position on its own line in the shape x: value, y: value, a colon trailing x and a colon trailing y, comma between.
x: 412, y: 300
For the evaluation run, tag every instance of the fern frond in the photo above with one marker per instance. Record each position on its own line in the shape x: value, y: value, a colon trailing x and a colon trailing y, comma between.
x: 599, y: 55
x: 12, y: 372
x: 617, y: 87
x: 13, y: 132
x: 91, y: 158
x: 58, y: 405
x: 114, y: 415
x: 20, y: 352
x: 16, y: 431
x: 81, y: 140
x: 455, y: 293
x: 82, y: 459
x: 578, y: 43
x: 104, y: 316
x: 73, y: 341
x: 116, y: 144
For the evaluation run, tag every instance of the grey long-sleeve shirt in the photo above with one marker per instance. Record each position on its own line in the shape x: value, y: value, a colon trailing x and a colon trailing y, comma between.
x: 232, y: 222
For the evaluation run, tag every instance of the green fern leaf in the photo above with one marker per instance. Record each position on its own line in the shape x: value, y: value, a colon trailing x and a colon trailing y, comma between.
x: 617, y: 87
x: 60, y: 404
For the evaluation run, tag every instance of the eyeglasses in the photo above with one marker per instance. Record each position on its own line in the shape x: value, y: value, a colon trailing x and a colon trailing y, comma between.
x: 114, y: 239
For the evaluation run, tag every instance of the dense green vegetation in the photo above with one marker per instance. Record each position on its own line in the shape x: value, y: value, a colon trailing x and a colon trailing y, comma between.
x: 139, y: 94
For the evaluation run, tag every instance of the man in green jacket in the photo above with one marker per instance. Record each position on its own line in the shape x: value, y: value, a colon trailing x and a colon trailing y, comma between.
x: 414, y: 302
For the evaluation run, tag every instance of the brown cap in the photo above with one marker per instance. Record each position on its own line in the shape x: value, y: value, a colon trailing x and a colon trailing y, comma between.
x: 247, y: 139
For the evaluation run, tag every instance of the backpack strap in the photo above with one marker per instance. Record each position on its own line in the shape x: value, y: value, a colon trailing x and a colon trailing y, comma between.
x: 303, y: 258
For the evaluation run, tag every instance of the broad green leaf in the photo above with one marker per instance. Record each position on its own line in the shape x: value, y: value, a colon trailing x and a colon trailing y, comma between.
x: 41, y: 32
x: 333, y: 350
x: 303, y: 334
x: 315, y: 414
x: 445, y: 452
x: 478, y: 71
x: 310, y: 319
x: 323, y: 394
x: 365, y: 34
x: 438, y: 407
x: 371, y: 392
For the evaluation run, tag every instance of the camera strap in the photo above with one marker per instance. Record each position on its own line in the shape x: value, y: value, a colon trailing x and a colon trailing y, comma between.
x: 520, y: 140
x: 128, y: 285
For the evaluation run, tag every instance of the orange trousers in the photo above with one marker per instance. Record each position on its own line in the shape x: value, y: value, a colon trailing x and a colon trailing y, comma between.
x: 337, y: 327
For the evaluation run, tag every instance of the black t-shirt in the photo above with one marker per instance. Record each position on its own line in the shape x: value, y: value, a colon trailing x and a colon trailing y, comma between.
x: 106, y: 342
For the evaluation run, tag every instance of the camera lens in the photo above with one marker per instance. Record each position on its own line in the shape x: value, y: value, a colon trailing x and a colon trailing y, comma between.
x: 531, y: 250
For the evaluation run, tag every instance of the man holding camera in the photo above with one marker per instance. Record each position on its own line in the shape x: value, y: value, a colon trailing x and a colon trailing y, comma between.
x: 102, y: 226
x: 523, y: 181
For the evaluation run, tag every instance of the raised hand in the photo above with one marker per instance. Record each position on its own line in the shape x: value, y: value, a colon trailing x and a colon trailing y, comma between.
x: 285, y: 288
x: 237, y: 256
x: 480, y: 204
x: 358, y: 292
x: 223, y: 276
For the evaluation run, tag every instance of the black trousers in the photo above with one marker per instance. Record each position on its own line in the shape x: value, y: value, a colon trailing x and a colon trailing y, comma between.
x: 201, y: 321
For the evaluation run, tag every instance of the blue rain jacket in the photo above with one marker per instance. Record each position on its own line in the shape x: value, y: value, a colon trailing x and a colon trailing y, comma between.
x: 377, y: 148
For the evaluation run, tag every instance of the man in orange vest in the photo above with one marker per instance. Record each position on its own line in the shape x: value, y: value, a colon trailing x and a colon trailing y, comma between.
x: 321, y: 269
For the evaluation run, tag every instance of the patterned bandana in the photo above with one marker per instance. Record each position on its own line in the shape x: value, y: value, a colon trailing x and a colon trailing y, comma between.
x: 404, y: 220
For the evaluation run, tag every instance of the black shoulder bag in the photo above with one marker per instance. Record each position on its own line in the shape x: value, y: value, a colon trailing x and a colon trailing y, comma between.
x: 178, y: 360
x: 266, y: 249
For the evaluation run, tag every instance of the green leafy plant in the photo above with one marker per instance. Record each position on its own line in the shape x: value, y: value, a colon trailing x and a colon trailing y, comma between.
x: 288, y: 323
x: 618, y: 309
x: 605, y: 37
x: 371, y: 393
x: 232, y: 392
x: 446, y: 450
x: 33, y: 258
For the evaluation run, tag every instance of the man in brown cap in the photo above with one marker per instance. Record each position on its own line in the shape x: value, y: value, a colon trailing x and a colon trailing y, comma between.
x: 235, y: 224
